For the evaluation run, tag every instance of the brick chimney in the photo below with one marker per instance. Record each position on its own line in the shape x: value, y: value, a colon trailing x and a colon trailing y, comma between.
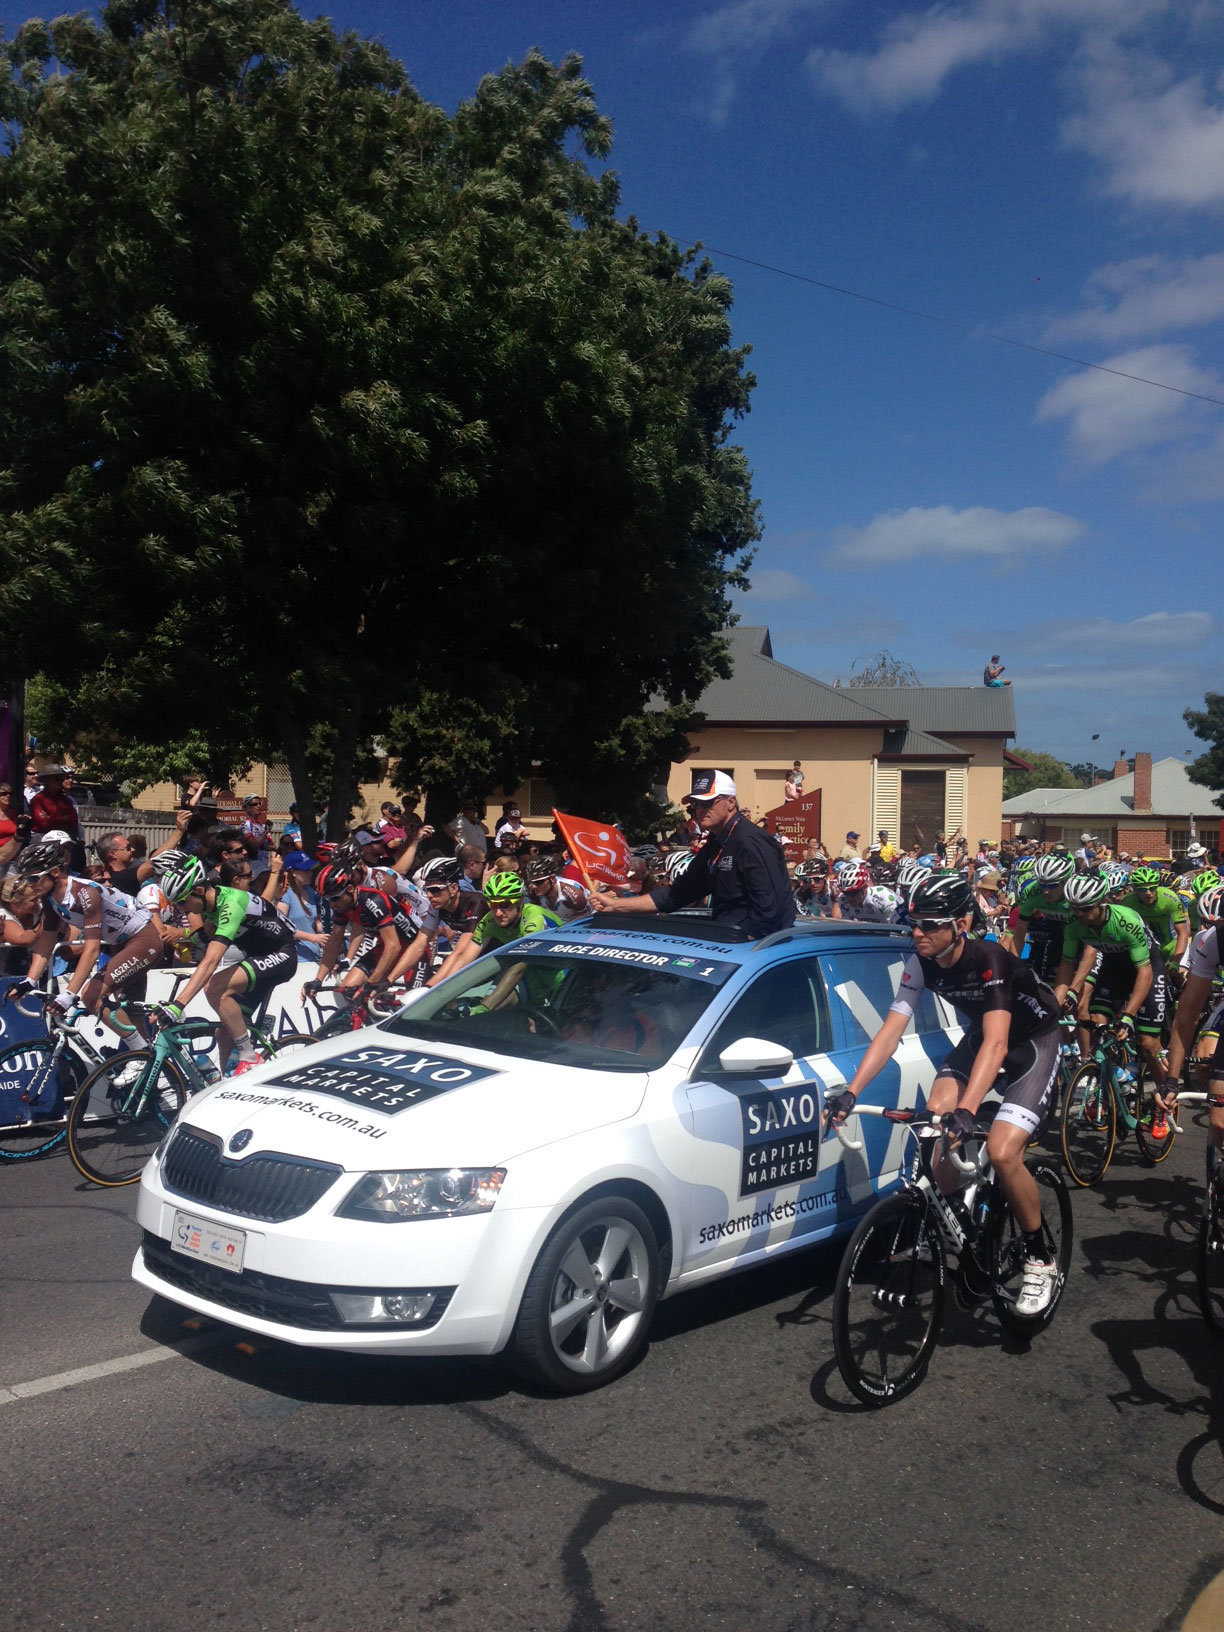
x: 1143, y: 783
x: 1121, y: 768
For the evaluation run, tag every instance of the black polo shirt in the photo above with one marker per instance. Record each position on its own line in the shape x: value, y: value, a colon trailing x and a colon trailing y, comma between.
x: 744, y: 874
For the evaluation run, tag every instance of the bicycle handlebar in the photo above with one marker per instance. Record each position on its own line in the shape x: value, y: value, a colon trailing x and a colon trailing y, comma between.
x: 912, y: 1120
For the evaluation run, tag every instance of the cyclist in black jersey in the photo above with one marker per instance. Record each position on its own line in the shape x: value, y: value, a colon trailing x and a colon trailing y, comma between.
x: 1011, y: 1029
x: 386, y: 929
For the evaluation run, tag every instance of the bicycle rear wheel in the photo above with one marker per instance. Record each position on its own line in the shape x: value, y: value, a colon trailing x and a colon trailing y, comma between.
x: 888, y: 1301
x: 1007, y: 1252
x: 32, y: 1069
x: 1089, y: 1124
x: 114, y: 1126
x: 1154, y: 1144
x: 1211, y: 1246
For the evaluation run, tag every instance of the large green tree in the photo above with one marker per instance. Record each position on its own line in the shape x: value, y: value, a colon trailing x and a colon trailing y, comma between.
x: 1207, y: 724
x: 328, y: 410
x: 1046, y: 772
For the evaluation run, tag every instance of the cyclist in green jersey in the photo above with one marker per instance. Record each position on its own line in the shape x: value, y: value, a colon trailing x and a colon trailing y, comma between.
x: 1162, y: 910
x: 1042, y: 914
x: 250, y: 951
x: 1130, y: 976
x: 510, y: 916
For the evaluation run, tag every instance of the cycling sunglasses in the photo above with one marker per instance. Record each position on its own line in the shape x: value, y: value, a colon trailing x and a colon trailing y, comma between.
x: 928, y: 926
x: 436, y: 889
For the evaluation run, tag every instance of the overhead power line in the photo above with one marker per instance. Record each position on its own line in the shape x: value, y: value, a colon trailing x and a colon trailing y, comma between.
x: 949, y: 322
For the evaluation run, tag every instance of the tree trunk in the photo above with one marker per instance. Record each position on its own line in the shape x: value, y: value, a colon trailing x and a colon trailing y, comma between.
x: 344, y: 768
x: 293, y: 743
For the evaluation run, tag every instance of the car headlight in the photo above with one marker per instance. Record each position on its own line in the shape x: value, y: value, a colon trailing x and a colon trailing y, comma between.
x: 430, y: 1192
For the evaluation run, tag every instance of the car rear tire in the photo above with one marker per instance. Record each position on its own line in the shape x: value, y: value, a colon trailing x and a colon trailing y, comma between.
x: 588, y: 1302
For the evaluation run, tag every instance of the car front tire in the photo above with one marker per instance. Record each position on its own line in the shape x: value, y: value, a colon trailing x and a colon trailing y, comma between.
x: 589, y: 1299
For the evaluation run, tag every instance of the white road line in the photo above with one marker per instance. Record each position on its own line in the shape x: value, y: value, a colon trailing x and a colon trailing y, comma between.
x: 104, y: 1368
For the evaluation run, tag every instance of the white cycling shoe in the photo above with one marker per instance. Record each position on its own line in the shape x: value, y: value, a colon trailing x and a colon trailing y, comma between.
x: 1037, y: 1287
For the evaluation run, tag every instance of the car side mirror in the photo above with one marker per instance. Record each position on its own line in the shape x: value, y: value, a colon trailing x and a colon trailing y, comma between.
x: 753, y: 1056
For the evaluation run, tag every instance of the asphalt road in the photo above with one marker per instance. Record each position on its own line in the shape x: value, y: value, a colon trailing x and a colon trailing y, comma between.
x: 728, y: 1481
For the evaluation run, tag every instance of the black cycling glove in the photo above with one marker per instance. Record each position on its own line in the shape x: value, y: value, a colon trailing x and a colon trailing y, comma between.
x: 958, y: 1124
x: 839, y: 1106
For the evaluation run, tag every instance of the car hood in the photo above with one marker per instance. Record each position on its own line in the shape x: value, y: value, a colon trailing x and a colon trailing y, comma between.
x: 378, y: 1099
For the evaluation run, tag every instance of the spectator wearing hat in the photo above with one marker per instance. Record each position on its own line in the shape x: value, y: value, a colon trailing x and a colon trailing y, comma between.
x: 850, y: 850
x: 292, y: 829
x: 739, y: 867
x: 390, y: 824
x: 51, y: 807
x: 509, y: 830
x: 1086, y: 855
x: 301, y: 905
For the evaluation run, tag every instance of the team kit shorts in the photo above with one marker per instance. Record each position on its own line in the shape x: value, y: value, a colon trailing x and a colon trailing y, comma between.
x: 1112, y: 980
x: 130, y: 961
x: 1026, y: 1080
x: 264, y: 971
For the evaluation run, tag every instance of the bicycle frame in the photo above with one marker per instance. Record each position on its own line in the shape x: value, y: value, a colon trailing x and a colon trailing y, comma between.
x: 924, y: 1129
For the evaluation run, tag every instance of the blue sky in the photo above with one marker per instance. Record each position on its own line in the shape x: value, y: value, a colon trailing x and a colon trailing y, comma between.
x: 1051, y: 171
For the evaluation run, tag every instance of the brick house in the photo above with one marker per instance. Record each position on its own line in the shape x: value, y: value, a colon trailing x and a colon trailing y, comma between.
x: 1154, y: 810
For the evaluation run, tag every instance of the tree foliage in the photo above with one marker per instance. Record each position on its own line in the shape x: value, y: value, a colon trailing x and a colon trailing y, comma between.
x: 883, y: 669
x: 330, y: 411
x: 1047, y: 772
x: 1207, y: 724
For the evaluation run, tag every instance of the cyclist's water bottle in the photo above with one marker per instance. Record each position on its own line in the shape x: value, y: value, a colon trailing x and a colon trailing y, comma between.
x: 1125, y: 1075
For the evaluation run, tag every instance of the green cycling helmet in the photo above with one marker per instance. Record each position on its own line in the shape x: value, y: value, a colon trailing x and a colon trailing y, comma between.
x: 506, y: 886
x: 1145, y: 878
x: 177, y: 883
x: 1204, y: 881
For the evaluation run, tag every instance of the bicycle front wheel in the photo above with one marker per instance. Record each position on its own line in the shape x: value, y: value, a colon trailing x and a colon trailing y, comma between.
x: 888, y: 1301
x: 121, y: 1115
x: 1211, y: 1249
x: 1089, y: 1124
x: 1007, y: 1252
x: 41, y: 1084
x: 1153, y: 1131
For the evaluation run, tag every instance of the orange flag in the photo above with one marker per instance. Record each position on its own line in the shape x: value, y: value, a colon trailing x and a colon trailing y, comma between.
x: 598, y: 848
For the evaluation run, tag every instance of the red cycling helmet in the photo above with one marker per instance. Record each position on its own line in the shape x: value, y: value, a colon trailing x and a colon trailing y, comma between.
x: 855, y: 875
x: 335, y: 880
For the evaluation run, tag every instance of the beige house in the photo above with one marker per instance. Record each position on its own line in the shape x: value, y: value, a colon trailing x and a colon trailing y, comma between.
x: 914, y: 760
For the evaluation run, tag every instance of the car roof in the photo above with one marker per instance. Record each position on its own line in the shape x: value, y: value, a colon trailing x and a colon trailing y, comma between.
x: 697, y: 928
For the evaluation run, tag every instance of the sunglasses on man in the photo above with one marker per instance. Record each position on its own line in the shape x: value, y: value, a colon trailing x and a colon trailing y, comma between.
x: 928, y: 926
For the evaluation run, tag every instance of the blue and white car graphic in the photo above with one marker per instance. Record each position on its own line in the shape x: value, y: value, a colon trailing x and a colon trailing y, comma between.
x: 527, y: 1157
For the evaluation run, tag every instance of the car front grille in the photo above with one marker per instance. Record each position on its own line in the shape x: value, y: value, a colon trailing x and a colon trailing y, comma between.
x: 269, y: 1187
x: 268, y: 1297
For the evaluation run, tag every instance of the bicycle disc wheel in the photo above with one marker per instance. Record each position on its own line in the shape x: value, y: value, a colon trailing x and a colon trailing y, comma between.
x: 1211, y: 1254
x: 114, y: 1126
x: 1089, y: 1124
x: 1007, y: 1252
x: 1152, y: 1149
x: 888, y: 1301
x: 31, y: 1068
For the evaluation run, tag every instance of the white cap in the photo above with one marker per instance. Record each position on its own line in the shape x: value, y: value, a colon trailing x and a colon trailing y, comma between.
x: 1085, y: 838
x: 709, y: 785
x: 1193, y: 850
x: 57, y: 836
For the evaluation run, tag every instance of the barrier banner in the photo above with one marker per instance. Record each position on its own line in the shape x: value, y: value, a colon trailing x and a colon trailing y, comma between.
x: 15, y: 1027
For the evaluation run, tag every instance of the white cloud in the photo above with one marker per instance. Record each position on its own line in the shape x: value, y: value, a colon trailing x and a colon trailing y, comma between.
x: 906, y: 535
x: 736, y: 35
x: 1159, y: 631
x: 1161, y: 144
x: 775, y: 584
x: 1120, y: 680
x: 917, y: 53
x: 1108, y: 416
x: 1145, y: 297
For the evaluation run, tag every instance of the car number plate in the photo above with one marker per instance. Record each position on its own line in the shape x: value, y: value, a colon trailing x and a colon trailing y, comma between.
x: 197, y: 1238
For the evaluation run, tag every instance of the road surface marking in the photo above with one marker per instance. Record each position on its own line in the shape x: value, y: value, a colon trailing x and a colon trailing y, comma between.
x: 104, y: 1368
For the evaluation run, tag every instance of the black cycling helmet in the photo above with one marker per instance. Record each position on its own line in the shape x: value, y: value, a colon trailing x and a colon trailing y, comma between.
x: 943, y: 895
x: 540, y: 869
x: 37, y: 859
x: 440, y: 870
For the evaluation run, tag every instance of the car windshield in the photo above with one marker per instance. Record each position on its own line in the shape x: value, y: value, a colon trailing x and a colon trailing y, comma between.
x: 603, y: 1016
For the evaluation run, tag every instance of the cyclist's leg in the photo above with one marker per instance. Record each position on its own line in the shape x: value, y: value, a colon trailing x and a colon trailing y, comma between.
x: 945, y: 1091
x: 233, y: 979
x: 1149, y: 1028
x: 125, y: 973
x: 1030, y: 1073
x: 1209, y: 1069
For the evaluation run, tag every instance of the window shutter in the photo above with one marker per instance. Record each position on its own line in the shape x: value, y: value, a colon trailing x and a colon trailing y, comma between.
x: 886, y: 801
x: 955, y: 787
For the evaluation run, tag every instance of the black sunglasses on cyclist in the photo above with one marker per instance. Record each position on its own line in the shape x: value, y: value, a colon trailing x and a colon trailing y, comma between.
x: 928, y: 926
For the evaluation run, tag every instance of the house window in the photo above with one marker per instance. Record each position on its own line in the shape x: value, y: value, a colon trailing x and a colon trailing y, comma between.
x: 1181, y: 838
x: 922, y: 808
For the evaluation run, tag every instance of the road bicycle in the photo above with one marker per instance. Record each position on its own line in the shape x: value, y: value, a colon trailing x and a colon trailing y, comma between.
x: 1107, y: 1089
x: 368, y: 1006
x: 889, y: 1299
x: 48, y: 1073
x: 127, y: 1104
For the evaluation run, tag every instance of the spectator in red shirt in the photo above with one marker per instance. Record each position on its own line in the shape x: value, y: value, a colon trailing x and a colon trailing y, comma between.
x: 10, y: 838
x: 51, y: 809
